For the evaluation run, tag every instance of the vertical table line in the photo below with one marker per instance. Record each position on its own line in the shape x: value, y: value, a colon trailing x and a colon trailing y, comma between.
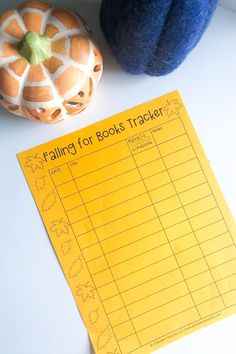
x: 83, y: 255
x: 104, y: 255
x: 184, y: 280
x: 199, y: 245
x: 209, y: 186
x: 216, y: 204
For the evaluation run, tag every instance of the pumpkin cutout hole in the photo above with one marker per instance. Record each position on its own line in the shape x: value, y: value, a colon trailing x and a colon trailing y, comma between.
x: 55, y: 114
x: 90, y: 87
x: 14, y: 107
x: 73, y: 104
x: 41, y: 110
x: 1, y: 97
x: 97, y: 68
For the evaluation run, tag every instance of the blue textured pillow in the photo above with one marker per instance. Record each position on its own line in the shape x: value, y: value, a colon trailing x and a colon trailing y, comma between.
x: 154, y: 36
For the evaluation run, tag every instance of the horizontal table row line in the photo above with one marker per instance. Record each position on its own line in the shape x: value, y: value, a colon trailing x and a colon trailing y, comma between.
x: 198, y: 224
x: 224, y: 243
x: 150, y: 176
x: 136, y: 324
x: 194, y: 183
x: 169, y: 279
x: 169, y: 295
x: 170, y: 219
x: 142, y: 230
x: 135, y: 344
x: 120, y: 275
x: 184, y: 317
x: 123, y: 166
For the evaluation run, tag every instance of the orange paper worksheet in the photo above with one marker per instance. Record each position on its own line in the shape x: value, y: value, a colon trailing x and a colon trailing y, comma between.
x: 139, y: 225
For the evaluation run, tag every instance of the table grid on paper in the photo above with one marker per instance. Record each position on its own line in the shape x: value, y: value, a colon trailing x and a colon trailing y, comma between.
x: 144, y: 207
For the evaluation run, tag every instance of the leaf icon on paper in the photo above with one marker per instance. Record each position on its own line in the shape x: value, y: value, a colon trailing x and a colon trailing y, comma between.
x: 93, y: 316
x: 104, y: 338
x: 172, y: 108
x: 34, y: 162
x: 40, y: 183
x: 65, y: 247
x: 60, y: 227
x: 76, y: 267
x: 85, y: 291
x: 49, y: 201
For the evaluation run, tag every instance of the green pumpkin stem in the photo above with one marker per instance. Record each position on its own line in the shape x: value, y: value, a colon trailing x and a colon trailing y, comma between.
x: 35, y: 48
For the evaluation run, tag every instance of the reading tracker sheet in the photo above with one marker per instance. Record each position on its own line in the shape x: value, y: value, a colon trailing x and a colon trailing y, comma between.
x: 139, y: 226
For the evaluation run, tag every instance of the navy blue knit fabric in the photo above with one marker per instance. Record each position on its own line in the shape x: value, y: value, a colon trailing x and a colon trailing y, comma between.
x: 154, y: 36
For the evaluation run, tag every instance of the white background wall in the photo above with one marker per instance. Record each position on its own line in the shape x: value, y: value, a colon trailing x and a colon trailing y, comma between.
x: 37, y: 312
x: 229, y: 4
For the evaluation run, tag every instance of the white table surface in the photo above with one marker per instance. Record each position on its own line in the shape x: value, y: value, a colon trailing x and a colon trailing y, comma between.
x: 37, y: 312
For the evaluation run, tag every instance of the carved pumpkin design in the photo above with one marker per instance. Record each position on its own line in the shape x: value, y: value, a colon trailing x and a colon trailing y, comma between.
x: 49, y: 62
